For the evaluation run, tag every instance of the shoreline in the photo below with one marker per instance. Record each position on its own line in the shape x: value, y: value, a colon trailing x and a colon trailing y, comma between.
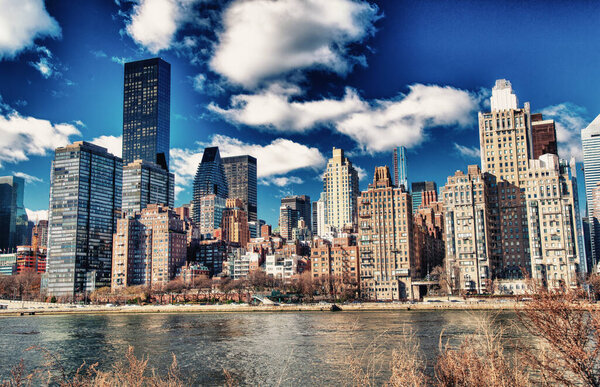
x: 245, y: 308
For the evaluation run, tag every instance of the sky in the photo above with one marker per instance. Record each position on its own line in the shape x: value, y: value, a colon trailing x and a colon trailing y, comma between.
x: 288, y: 80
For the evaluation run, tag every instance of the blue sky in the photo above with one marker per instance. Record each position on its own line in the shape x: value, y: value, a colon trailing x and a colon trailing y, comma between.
x: 288, y: 80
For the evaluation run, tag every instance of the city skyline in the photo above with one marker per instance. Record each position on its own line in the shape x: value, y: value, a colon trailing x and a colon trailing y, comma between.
x: 51, y: 77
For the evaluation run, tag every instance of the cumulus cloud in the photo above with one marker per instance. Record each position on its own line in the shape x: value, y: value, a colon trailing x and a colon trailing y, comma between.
x: 154, y: 23
x: 120, y: 60
x: 44, y: 66
x: 36, y: 215
x: 275, y: 159
x: 21, y: 22
x: 272, y: 109
x: 28, y: 178
x: 202, y: 85
x: 361, y: 172
x: 569, y: 121
x: 467, y: 152
x: 264, y: 39
x: 281, y: 181
x: 376, y: 126
x: 114, y: 144
x: 26, y: 136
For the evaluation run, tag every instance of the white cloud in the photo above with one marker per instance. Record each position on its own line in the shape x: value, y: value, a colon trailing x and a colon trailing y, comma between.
x: 114, y: 144
x: 281, y: 181
x: 264, y: 39
x: 154, y: 23
x: 467, y: 152
x: 120, y: 60
x: 44, y: 66
x: 275, y: 159
x: 36, y: 215
x: 21, y: 22
x: 25, y: 136
x: 361, y: 172
x: 202, y: 85
x: 28, y: 178
x: 569, y: 120
x: 375, y: 125
x: 272, y: 109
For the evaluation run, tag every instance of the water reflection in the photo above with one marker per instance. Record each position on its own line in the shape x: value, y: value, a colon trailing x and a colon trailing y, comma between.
x: 257, y: 348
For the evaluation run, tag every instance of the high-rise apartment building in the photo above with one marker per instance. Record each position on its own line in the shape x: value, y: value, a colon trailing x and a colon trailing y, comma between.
x: 339, y: 260
x: 211, y: 209
x: 146, y: 183
x: 148, y: 248
x: 504, y: 137
x: 385, y: 242
x: 552, y: 222
x: 147, y: 111
x: 235, y: 223
x: 319, y: 215
x: 340, y: 184
x: 543, y: 136
x: 85, y: 202
x: 302, y: 204
x: 470, y: 256
x: 240, y: 172
x: 590, y: 139
x: 210, y: 179
x: 400, y: 170
x: 13, y: 218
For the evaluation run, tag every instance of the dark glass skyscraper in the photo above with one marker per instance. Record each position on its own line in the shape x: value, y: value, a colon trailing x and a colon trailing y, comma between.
x: 85, y: 201
x: 301, y: 204
x: 13, y: 219
x: 210, y: 179
x: 240, y: 172
x: 147, y: 111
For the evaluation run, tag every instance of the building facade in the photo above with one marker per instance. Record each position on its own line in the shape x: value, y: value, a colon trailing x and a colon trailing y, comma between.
x: 301, y: 204
x: 288, y: 219
x: 385, y: 240
x: 146, y: 183
x: 423, y: 193
x: 85, y: 202
x: 241, y: 175
x: 235, y: 223
x: 339, y: 260
x: 400, y: 169
x: 13, y: 218
x: 147, y: 111
x: 210, y: 180
x: 340, y: 184
x: 543, y: 136
x: 590, y: 139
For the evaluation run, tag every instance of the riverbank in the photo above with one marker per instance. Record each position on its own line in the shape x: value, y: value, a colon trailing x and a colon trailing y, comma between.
x: 17, y: 308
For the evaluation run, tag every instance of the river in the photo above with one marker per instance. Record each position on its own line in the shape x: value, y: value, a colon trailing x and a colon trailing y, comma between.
x: 295, y: 348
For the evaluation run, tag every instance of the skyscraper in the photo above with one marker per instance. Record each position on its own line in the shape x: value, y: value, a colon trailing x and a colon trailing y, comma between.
x: 240, y: 172
x: 423, y: 192
x: 288, y: 219
x: 147, y: 111
x: 340, y: 184
x: 504, y: 137
x: 85, y: 201
x: 385, y: 243
x: 543, y: 136
x: 590, y: 139
x: 400, y: 171
x: 210, y: 179
x: 302, y: 205
x: 13, y: 218
x: 146, y: 183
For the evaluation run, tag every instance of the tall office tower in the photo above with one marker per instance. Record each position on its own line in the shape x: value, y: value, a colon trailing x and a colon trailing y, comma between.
x: 148, y: 248
x: 288, y: 219
x: 553, y: 224
x: 423, y: 193
x: 590, y: 139
x: 240, y: 172
x: 211, y: 209
x: 13, y: 218
x: 385, y: 243
x: 303, y: 205
x: 147, y: 111
x: 543, y: 136
x: 470, y: 257
x: 319, y: 215
x: 400, y: 171
x: 85, y: 202
x: 146, y: 183
x: 40, y: 233
x: 210, y: 179
x: 504, y: 138
x: 340, y: 185
x: 235, y: 223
